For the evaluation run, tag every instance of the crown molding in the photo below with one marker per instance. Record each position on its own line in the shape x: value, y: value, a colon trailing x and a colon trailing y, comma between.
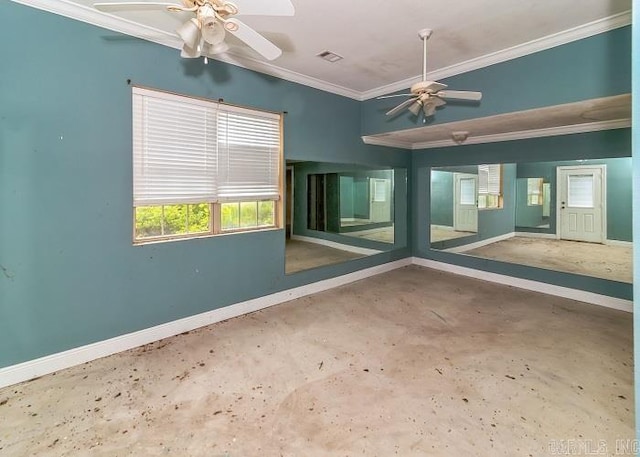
x: 498, y: 137
x: 388, y: 142
x: 550, y: 41
x: 94, y: 17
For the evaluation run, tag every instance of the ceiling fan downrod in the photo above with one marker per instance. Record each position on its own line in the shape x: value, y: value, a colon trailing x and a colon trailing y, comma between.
x: 424, y: 35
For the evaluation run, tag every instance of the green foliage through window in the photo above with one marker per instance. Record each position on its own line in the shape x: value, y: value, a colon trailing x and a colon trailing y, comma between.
x: 160, y: 221
x: 243, y: 215
x: 167, y: 220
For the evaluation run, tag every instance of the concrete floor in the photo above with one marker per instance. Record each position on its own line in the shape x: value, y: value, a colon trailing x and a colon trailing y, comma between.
x: 441, y: 233
x: 383, y: 234
x: 413, y: 362
x: 590, y: 259
x: 301, y: 255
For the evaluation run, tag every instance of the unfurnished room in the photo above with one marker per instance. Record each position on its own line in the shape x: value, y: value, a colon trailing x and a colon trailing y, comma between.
x: 295, y: 228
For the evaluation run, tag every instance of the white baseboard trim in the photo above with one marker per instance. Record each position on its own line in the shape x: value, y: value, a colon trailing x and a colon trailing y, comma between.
x: 550, y: 236
x: 335, y: 245
x: 45, y: 365
x: 478, y: 244
x: 625, y: 244
x: 527, y: 284
x: 55, y: 362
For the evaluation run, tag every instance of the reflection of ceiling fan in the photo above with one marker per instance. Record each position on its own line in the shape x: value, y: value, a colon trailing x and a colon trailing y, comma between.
x: 204, y: 34
x: 426, y: 95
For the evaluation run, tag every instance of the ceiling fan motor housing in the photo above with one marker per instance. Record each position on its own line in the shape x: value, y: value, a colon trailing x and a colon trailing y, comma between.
x: 422, y: 87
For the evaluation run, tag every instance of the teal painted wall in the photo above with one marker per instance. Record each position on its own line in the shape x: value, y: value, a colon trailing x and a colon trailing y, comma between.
x: 611, y: 143
x: 598, y: 66
x: 636, y: 201
x: 346, y: 196
x: 70, y: 275
x: 619, y: 183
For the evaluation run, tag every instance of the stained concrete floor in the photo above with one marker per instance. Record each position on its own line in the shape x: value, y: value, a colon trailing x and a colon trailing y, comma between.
x: 413, y: 362
x: 439, y: 233
x: 301, y: 255
x: 590, y: 259
x: 384, y: 235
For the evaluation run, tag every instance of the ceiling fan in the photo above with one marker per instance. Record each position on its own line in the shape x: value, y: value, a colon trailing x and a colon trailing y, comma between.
x: 425, y: 95
x: 204, y: 33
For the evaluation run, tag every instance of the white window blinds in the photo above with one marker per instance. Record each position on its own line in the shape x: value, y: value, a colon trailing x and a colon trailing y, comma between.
x: 248, y: 154
x: 191, y: 151
x: 489, y: 179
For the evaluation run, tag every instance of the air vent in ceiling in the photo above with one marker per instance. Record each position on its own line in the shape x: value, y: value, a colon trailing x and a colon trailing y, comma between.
x: 330, y: 56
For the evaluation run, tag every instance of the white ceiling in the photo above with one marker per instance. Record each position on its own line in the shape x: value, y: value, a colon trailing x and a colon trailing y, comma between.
x: 378, y: 39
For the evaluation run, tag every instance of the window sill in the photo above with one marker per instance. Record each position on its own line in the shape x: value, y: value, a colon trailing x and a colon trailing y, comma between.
x: 201, y: 236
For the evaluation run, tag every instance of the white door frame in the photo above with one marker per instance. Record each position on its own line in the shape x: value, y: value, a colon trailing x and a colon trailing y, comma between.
x: 603, y: 196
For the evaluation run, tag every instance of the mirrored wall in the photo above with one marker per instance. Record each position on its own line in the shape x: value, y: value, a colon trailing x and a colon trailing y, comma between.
x: 339, y: 212
x: 571, y: 216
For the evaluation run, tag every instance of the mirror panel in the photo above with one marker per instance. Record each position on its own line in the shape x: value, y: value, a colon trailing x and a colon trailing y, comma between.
x: 339, y: 212
x: 571, y: 216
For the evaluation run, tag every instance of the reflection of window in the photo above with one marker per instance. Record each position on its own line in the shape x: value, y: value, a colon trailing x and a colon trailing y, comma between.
x: 490, y: 186
x: 467, y: 191
x: 580, y: 191
x: 201, y: 167
x: 380, y: 190
x: 534, y: 191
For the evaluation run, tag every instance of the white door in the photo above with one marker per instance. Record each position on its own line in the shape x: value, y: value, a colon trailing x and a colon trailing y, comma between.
x: 380, y: 193
x: 581, y: 203
x: 465, y: 208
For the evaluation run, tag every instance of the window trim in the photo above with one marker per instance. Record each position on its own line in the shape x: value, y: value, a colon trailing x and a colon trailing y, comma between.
x: 500, y: 204
x: 215, y: 222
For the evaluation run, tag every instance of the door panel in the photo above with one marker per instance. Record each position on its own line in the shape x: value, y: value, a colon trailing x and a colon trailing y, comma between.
x: 465, y: 212
x: 380, y: 194
x: 581, y: 192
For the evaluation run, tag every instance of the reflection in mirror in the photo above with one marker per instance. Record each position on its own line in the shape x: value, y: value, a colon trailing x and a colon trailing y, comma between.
x: 571, y: 216
x: 338, y: 212
x: 533, y: 200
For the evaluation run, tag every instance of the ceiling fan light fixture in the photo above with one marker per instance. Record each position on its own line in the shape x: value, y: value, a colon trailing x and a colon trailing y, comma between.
x: 218, y: 48
x: 190, y: 33
x: 213, y: 34
x: 190, y: 53
x: 416, y: 107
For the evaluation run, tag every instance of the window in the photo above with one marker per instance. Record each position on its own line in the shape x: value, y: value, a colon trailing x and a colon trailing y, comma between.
x: 467, y: 191
x: 490, y: 186
x: 534, y: 191
x: 580, y: 193
x: 202, y: 168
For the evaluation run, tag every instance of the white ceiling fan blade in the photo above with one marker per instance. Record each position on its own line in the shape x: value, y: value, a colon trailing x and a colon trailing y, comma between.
x: 265, y: 8
x: 401, y: 107
x: 435, y: 101
x: 134, y: 6
x: 460, y: 95
x: 263, y: 46
x: 382, y: 97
